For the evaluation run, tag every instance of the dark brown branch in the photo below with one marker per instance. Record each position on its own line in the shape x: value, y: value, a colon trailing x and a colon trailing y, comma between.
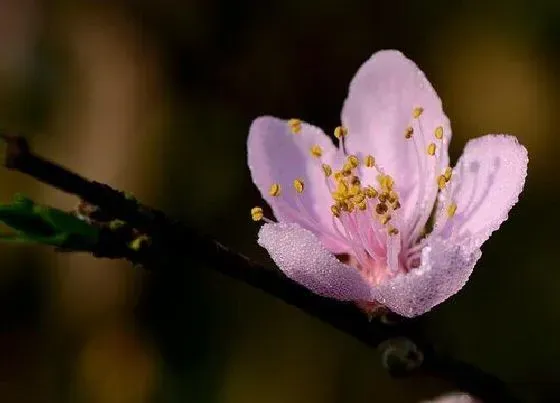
x: 168, y: 238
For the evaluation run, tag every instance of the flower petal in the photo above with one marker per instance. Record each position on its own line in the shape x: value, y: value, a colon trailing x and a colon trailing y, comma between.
x: 445, y: 267
x: 276, y: 155
x: 302, y: 257
x: 486, y: 183
x: 377, y: 112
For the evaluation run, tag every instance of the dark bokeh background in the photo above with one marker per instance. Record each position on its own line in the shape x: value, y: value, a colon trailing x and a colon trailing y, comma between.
x: 156, y: 97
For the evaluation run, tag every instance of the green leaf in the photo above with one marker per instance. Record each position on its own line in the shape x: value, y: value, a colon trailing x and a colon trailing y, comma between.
x: 36, y: 223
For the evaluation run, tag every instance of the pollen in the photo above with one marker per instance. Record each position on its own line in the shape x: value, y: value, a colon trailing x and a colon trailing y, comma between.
x: 369, y: 161
x: 340, y: 132
x: 274, y: 190
x: 448, y: 172
x: 383, y: 197
x: 384, y: 219
x: 417, y: 112
x: 393, y: 231
x: 431, y: 149
x: 327, y: 170
x: 438, y: 132
x: 381, y: 208
x: 408, y: 132
x: 451, y: 209
x: 353, y: 161
x: 441, y: 181
x: 370, y: 192
x: 335, y: 210
x: 257, y: 213
x: 316, y: 151
x: 295, y: 125
x: 298, y: 185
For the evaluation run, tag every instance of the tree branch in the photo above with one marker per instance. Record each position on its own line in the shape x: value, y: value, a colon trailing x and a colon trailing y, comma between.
x: 168, y: 239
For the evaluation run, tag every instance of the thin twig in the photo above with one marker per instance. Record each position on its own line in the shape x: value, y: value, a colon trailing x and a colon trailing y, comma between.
x: 169, y: 238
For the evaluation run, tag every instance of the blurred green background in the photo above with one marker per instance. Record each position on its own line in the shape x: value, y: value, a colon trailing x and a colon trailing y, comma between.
x: 156, y: 97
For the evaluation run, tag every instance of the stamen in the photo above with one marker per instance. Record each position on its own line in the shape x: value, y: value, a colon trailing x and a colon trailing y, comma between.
x: 447, y: 174
x: 257, y: 213
x: 274, y: 190
x: 335, y: 210
x: 298, y: 185
x: 370, y: 192
x: 384, y: 219
x: 340, y: 132
x: 408, y: 132
x: 353, y: 161
x: 295, y: 125
x: 393, y: 231
x: 381, y: 208
x: 316, y: 151
x: 431, y: 149
x: 441, y: 181
x: 438, y: 132
x: 327, y: 170
x: 451, y: 209
x: 369, y: 161
x: 416, y: 112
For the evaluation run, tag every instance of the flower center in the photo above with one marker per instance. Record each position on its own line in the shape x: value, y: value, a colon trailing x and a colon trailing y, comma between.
x: 368, y: 216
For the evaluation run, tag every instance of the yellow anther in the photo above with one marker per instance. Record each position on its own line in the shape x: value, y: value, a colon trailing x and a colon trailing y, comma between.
x: 359, y: 198
x: 393, y: 231
x: 353, y: 161
x: 448, y: 172
x: 316, y: 151
x: 370, y: 192
x: 408, y: 132
x: 384, y: 219
x: 438, y: 132
x: 362, y: 205
x: 441, y: 182
x: 116, y: 224
x: 396, y: 205
x: 386, y: 182
x: 342, y: 187
x: 451, y: 209
x: 369, y: 161
x: 340, y: 132
x: 298, y: 185
x: 274, y: 189
x: 338, y: 176
x: 393, y: 197
x: 327, y: 170
x: 140, y: 241
x: 416, y: 112
x: 347, y: 206
x: 354, y: 190
x: 383, y: 197
x: 381, y: 208
x: 295, y: 125
x: 431, y: 149
x: 337, y: 196
x: 354, y: 180
x: 335, y: 210
x: 347, y: 169
x: 257, y: 213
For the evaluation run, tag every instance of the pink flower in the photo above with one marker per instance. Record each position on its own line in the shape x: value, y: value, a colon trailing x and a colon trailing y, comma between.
x: 382, y: 220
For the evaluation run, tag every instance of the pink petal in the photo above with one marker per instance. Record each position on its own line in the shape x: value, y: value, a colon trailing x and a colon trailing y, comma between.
x: 302, y: 257
x: 379, y: 107
x: 445, y: 267
x: 488, y: 179
x: 276, y: 155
